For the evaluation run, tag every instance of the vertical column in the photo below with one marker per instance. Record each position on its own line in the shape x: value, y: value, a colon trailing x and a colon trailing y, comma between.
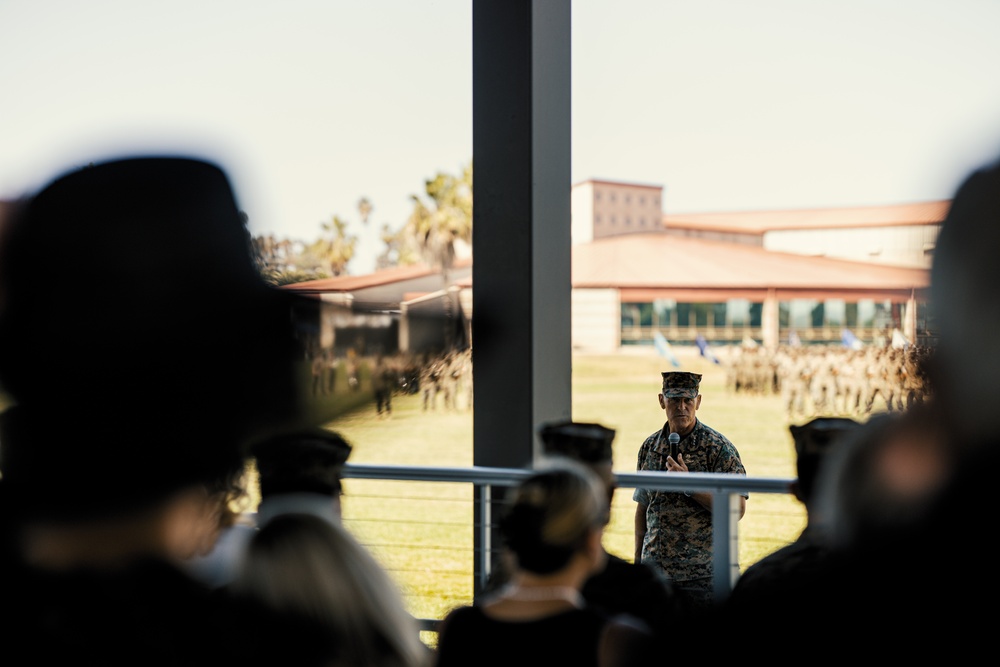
x: 769, y: 321
x: 910, y: 319
x: 522, y: 356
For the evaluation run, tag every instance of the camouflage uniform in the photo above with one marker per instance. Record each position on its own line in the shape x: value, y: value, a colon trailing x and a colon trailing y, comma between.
x: 678, y: 529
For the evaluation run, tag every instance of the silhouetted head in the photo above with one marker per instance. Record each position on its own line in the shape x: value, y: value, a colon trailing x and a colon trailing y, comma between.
x: 966, y: 308
x: 553, y: 514
x: 587, y: 443
x: 141, y: 346
x: 813, y: 441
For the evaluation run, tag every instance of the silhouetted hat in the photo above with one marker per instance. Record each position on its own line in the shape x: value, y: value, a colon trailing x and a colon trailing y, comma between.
x: 305, y: 461
x: 586, y: 442
x: 813, y: 441
x: 680, y: 384
x: 816, y: 435
x: 141, y: 345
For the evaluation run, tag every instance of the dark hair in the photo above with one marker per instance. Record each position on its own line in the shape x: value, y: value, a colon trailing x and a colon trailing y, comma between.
x: 551, y: 515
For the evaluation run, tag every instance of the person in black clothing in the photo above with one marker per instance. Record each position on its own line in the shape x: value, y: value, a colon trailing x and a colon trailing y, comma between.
x: 105, y: 469
x: 553, y: 530
x: 813, y: 442
x: 914, y: 494
x: 619, y: 586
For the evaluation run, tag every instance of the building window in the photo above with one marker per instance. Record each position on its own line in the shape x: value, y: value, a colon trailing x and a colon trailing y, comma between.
x: 665, y: 311
x: 614, y: 221
x: 738, y: 312
x: 836, y: 311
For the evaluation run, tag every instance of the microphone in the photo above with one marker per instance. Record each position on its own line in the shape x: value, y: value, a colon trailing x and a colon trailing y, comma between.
x: 674, y: 439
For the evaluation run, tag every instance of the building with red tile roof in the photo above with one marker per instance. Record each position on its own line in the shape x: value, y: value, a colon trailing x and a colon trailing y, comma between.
x: 815, y: 275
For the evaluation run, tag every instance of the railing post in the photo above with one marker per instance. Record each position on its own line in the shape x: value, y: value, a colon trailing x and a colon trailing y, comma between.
x: 482, y: 517
x: 725, y: 542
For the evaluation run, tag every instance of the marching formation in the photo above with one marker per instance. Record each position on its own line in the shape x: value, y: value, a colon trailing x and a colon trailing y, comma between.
x: 832, y: 380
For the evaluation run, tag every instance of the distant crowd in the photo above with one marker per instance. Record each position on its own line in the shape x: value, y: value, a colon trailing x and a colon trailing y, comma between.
x: 819, y: 380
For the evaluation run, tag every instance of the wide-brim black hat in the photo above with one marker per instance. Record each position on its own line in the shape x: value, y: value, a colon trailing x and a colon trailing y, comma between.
x: 136, y: 335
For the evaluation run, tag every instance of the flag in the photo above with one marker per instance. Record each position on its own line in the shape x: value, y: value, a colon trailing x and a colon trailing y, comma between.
x: 848, y: 338
x: 663, y: 347
x: 899, y: 341
x: 705, y: 350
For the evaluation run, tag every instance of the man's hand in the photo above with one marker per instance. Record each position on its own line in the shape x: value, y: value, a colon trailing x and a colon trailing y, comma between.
x: 678, y: 465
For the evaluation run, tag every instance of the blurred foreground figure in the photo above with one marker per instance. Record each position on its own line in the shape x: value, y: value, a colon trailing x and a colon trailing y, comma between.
x: 912, y: 496
x: 142, y: 354
x: 619, y: 587
x: 298, y: 472
x: 553, y: 528
x: 316, y: 571
x: 813, y: 442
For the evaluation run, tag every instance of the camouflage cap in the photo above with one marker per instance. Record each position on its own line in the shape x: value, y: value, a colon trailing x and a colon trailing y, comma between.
x: 680, y: 384
x: 588, y: 443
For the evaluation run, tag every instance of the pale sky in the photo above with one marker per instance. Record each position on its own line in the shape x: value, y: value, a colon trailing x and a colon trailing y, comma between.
x: 312, y: 104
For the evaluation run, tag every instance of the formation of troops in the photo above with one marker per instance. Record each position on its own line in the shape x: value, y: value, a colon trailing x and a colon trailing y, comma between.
x: 443, y: 379
x: 832, y: 380
x: 812, y: 380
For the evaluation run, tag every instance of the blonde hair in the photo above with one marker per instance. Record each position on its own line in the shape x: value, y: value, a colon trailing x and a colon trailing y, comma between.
x: 302, y: 565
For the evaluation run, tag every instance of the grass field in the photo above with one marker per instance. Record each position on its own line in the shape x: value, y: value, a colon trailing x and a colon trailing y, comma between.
x: 423, y: 532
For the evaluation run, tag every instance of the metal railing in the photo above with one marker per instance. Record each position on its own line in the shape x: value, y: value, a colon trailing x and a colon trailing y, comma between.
x: 725, y: 489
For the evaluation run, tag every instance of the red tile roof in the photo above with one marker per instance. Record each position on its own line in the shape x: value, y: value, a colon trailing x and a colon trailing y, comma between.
x: 377, y: 279
x: 758, y: 222
x: 655, y: 264
x: 658, y: 260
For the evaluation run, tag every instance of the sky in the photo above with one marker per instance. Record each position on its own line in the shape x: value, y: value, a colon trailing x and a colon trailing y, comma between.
x: 311, y: 105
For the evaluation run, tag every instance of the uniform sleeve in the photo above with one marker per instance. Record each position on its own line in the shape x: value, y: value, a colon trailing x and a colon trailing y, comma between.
x: 640, y: 495
x: 729, y: 462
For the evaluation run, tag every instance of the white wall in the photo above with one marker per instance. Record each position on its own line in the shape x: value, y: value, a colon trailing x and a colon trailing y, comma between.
x: 596, y: 320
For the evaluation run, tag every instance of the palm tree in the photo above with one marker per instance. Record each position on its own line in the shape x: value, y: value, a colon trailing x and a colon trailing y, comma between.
x: 436, y: 228
x: 364, y: 209
x: 338, y: 249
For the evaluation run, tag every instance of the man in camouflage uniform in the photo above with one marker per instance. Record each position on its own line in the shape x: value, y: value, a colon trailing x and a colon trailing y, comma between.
x: 673, y: 530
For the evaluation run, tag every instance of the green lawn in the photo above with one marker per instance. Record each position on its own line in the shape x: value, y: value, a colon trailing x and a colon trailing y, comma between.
x: 423, y: 532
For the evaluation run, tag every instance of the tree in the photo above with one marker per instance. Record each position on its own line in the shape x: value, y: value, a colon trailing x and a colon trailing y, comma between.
x: 436, y: 228
x: 338, y: 248
x: 364, y: 210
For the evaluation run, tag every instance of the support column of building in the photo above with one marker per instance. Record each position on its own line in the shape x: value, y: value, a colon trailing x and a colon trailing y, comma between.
x: 910, y: 319
x: 770, y: 321
x: 522, y: 355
